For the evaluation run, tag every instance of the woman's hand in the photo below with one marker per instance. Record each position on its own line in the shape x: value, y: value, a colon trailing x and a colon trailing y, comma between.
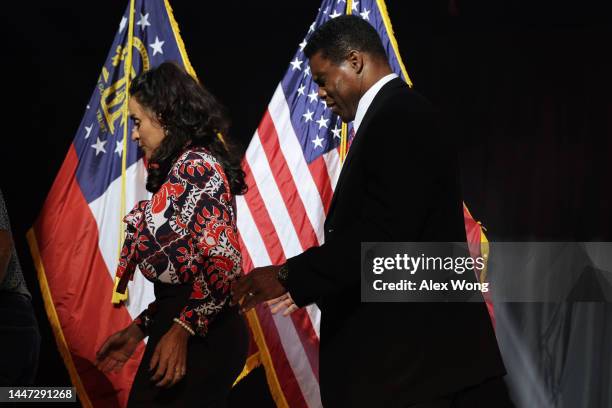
x: 118, y: 348
x: 170, y: 357
x: 282, y: 302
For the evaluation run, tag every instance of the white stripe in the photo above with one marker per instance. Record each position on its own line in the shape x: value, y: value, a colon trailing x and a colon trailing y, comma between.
x: 315, y: 318
x: 297, y: 360
x: 250, y: 234
x: 332, y: 162
x: 272, y: 199
x: 291, y: 149
x: 106, y: 210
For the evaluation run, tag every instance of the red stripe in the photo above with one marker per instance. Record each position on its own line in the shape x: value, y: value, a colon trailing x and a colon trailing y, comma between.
x: 81, y: 286
x: 284, y: 372
x: 286, y: 185
x: 262, y: 218
x: 318, y: 170
x: 247, y: 263
x: 282, y: 368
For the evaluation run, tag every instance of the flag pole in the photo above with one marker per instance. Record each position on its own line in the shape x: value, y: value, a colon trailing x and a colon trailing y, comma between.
x: 344, y: 131
x: 127, y: 70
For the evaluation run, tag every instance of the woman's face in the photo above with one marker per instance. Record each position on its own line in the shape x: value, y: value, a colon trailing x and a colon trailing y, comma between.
x: 147, y: 130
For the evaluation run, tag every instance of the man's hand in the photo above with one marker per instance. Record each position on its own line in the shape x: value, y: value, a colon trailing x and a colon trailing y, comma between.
x: 170, y: 357
x: 283, y: 302
x: 118, y: 348
x: 259, y: 285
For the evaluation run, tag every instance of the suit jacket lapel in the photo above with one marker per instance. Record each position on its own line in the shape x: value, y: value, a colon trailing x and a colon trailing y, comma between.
x: 377, y: 102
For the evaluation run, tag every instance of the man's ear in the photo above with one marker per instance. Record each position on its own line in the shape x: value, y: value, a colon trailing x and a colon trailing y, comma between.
x: 355, y: 60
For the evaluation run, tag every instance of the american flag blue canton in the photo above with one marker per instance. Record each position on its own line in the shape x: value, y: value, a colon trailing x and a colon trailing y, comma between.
x: 99, y: 139
x: 317, y: 128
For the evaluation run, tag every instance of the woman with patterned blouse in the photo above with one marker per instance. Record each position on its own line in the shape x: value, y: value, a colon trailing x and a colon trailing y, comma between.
x: 185, y: 241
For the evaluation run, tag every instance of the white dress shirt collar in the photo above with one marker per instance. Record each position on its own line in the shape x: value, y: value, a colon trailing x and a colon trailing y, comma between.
x: 368, y: 97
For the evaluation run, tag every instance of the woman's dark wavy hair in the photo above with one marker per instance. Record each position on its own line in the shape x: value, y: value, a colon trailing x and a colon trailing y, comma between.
x: 191, y: 116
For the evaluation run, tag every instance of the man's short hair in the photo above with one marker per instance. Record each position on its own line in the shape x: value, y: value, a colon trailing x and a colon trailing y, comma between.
x: 342, y: 34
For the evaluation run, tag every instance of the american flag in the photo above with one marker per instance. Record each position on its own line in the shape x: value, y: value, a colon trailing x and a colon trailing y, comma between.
x: 292, y: 165
x: 76, y: 239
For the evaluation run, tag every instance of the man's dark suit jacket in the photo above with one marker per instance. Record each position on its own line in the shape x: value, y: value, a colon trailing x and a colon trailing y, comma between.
x: 399, y: 184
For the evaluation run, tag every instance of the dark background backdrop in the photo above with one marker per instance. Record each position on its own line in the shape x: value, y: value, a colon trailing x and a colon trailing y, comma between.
x: 524, y: 86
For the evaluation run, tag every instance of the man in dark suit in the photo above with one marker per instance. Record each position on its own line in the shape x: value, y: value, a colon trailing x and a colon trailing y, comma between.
x: 399, y: 183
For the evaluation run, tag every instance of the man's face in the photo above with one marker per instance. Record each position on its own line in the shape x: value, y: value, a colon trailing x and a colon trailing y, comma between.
x: 339, y: 85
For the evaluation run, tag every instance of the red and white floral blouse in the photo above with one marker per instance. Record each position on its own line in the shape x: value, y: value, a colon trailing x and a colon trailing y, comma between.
x: 186, y: 234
